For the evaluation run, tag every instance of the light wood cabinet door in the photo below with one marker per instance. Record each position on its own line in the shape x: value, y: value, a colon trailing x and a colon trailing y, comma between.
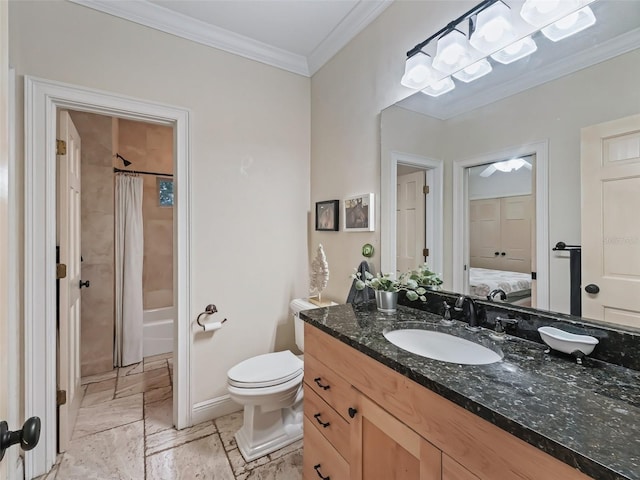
x: 383, y: 448
x: 452, y: 470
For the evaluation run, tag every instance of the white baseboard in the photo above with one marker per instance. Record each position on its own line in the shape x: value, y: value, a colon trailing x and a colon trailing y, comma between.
x: 213, y: 408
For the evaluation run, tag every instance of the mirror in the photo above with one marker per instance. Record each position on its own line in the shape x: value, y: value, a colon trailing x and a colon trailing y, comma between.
x: 540, y: 109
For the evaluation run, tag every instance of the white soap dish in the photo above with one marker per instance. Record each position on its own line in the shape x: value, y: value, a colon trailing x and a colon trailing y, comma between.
x: 578, y: 345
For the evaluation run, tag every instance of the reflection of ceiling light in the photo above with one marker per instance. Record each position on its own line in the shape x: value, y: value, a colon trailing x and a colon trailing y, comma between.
x: 474, y: 71
x: 570, y: 25
x: 453, y: 52
x: 439, y: 88
x: 493, y: 28
x: 506, y: 166
x: 515, y: 51
x: 542, y: 12
x: 418, y: 72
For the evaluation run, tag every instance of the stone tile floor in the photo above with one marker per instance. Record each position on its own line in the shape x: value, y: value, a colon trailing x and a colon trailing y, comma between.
x: 124, y: 432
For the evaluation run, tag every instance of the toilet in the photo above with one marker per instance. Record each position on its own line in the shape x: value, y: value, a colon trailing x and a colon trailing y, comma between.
x: 269, y: 387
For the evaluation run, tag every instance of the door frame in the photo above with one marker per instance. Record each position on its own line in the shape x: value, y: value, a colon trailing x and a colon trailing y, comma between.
x: 434, y: 204
x: 461, y: 215
x: 42, y: 99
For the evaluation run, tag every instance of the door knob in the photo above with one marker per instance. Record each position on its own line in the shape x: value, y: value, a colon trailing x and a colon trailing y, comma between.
x: 496, y: 253
x: 503, y: 253
x: 27, y: 437
x: 86, y: 283
x: 592, y: 288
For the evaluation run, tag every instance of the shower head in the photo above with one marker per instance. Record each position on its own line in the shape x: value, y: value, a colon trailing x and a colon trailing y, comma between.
x: 124, y: 160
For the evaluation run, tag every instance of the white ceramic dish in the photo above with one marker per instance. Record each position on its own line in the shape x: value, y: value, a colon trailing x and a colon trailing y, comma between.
x: 567, y: 342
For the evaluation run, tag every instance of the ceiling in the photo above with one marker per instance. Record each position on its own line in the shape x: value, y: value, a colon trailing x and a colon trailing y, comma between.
x: 296, y: 35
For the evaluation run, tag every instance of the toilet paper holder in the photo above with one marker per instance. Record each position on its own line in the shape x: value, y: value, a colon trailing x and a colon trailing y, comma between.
x: 208, y: 310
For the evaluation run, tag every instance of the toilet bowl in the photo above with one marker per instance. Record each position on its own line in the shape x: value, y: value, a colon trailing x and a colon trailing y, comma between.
x: 269, y: 387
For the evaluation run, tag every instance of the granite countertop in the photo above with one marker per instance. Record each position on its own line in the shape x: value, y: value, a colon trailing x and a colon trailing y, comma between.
x: 587, y: 416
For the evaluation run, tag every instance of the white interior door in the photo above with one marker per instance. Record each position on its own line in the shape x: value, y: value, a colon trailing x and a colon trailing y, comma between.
x: 68, y: 237
x: 410, y: 217
x: 484, y: 233
x: 515, y: 237
x: 610, y: 222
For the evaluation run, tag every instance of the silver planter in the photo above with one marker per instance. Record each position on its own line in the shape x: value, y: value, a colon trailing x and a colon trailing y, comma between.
x: 387, y: 302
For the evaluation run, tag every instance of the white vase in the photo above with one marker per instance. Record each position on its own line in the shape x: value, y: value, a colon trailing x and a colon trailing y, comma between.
x: 386, y: 302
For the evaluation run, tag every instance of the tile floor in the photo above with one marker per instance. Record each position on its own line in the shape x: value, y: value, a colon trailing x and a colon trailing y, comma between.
x: 124, y: 432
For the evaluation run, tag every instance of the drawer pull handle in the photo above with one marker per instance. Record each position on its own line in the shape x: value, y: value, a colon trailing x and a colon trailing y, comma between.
x: 317, y: 469
x: 352, y: 412
x: 324, y: 424
x: 324, y: 387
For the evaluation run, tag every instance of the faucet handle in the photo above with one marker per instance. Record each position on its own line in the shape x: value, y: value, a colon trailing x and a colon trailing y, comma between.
x: 502, y: 323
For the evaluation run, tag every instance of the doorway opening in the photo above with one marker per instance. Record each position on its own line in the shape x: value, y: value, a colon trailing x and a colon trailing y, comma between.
x: 43, y: 99
x: 486, y: 250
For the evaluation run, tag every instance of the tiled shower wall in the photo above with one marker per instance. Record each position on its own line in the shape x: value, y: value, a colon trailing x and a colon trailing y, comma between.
x: 149, y: 148
x: 97, y: 217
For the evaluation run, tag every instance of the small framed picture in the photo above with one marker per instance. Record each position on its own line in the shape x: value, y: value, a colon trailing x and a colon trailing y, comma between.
x: 327, y: 214
x: 358, y: 213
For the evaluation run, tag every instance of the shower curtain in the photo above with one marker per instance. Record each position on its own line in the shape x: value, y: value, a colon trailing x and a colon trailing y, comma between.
x: 128, y: 270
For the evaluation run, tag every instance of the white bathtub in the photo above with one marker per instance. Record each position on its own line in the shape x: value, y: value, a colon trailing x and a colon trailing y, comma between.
x: 157, y: 333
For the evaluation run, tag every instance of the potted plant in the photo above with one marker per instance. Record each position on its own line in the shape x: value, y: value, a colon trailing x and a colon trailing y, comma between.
x: 423, y: 277
x: 386, y: 289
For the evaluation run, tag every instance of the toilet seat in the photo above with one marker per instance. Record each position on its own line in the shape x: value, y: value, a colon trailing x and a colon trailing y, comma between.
x: 266, y: 370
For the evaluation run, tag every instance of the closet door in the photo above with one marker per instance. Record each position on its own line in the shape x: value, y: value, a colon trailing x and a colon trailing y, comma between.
x: 484, y: 233
x: 515, y: 234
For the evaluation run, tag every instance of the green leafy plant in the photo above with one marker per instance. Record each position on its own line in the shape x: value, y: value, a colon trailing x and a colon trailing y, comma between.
x: 423, y: 277
x: 385, y: 283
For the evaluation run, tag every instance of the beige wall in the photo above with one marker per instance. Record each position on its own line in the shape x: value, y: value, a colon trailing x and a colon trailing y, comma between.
x: 150, y: 149
x: 97, y: 221
x: 347, y: 96
x: 249, y: 139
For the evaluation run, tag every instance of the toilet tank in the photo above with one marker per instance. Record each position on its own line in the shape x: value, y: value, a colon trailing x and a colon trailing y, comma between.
x: 297, y: 305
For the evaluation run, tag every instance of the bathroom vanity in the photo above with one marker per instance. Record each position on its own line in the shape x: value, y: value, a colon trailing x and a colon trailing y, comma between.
x: 375, y: 411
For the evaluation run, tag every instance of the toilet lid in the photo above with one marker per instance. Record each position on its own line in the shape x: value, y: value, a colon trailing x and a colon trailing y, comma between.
x: 265, y: 370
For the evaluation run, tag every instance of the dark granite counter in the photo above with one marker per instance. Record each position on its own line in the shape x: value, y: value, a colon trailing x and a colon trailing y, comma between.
x: 587, y: 416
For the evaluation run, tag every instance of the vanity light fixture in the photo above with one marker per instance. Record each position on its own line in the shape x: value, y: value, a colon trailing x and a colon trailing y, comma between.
x: 418, y: 72
x: 493, y: 28
x: 474, y: 71
x: 570, y: 25
x: 517, y: 50
x: 490, y: 30
x: 440, y: 87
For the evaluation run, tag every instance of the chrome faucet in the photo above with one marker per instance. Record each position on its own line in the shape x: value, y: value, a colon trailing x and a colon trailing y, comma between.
x: 470, y: 312
x: 497, y: 291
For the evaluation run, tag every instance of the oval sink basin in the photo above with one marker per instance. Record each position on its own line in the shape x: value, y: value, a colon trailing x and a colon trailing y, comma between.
x: 442, y: 346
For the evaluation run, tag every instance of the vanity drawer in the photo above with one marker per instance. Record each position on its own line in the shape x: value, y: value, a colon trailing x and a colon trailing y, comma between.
x: 328, y: 385
x: 320, y: 459
x: 327, y: 421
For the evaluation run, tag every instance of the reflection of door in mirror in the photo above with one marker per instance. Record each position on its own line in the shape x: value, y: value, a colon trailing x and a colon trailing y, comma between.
x: 410, y: 218
x: 610, y: 171
x: 500, y: 203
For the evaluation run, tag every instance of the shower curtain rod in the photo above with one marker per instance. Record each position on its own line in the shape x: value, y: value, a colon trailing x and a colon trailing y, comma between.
x: 140, y: 172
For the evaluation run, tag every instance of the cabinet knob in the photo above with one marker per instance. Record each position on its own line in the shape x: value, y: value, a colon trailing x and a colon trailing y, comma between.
x: 324, y: 387
x: 352, y: 412
x: 317, y: 469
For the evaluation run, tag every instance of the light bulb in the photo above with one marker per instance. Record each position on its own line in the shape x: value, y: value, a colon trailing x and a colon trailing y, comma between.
x: 418, y: 72
x: 570, y: 25
x: 493, y: 28
x: 474, y: 71
x: 453, y: 52
x: 440, y: 87
x: 517, y: 50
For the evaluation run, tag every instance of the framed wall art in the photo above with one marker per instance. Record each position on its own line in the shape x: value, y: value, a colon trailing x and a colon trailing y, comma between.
x: 358, y: 213
x: 327, y: 216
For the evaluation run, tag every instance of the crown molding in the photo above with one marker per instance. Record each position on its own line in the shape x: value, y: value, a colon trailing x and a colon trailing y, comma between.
x: 356, y: 20
x: 161, y: 18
